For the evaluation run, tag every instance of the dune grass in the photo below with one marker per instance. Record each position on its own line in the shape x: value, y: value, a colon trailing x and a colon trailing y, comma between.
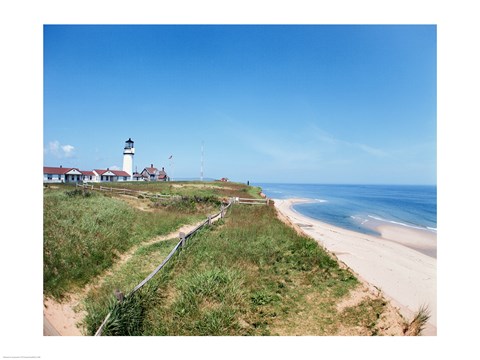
x: 246, y: 275
x: 192, y: 188
x: 419, y: 322
x: 100, y: 300
x: 85, y: 232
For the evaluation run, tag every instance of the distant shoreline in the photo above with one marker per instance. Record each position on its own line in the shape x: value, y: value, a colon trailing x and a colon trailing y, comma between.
x: 401, y: 263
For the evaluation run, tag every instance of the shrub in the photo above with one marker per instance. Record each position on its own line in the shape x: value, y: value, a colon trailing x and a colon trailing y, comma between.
x: 78, y: 192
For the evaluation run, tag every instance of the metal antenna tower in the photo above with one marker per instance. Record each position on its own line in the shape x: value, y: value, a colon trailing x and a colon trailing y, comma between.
x: 201, y: 165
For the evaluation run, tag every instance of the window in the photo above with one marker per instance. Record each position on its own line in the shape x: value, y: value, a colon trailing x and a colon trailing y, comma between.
x: 49, y: 176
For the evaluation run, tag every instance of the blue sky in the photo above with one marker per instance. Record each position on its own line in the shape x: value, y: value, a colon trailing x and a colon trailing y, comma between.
x: 296, y: 103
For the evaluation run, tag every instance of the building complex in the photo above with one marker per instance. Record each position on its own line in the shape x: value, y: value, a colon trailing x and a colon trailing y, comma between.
x: 73, y: 175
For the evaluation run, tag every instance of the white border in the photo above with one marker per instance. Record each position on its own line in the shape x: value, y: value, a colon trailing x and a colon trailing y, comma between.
x: 21, y: 113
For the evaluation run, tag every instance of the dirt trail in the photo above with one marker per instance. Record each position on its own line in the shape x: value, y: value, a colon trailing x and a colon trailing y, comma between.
x: 61, y: 318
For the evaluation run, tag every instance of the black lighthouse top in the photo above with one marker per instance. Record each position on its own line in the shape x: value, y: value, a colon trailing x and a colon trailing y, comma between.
x: 129, y: 144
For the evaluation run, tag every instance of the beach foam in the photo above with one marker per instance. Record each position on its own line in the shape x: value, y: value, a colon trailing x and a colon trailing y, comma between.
x: 403, y: 224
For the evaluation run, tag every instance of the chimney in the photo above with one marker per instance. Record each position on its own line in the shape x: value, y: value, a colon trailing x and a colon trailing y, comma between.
x: 60, y: 166
x: 151, y: 165
x: 163, y: 169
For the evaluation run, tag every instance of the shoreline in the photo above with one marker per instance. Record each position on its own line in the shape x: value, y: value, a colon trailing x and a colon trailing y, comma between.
x: 401, y: 262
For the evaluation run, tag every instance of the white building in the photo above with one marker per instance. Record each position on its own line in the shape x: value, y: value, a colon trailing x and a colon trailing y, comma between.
x: 128, y: 152
x: 122, y: 175
x: 153, y: 174
x: 61, y: 175
x: 73, y: 175
x: 88, y: 176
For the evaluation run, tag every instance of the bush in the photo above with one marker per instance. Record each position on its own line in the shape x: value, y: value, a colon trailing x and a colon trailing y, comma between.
x: 188, y: 204
x: 78, y: 192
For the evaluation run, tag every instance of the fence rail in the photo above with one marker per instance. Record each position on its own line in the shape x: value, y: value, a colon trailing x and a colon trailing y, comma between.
x: 127, y: 191
x: 265, y: 201
x: 237, y: 200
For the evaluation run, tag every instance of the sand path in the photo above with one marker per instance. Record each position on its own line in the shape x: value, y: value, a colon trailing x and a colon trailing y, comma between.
x: 399, y: 266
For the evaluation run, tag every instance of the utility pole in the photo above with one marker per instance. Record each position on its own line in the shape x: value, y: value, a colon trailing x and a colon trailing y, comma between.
x: 171, y: 166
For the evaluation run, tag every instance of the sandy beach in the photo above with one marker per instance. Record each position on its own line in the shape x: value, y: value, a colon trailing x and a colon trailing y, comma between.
x: 401, y: 262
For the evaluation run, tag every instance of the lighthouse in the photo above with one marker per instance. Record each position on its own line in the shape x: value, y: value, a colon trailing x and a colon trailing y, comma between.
x: 128, y: 152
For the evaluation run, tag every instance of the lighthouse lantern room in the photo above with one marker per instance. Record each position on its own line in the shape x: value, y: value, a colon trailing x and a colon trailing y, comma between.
x: 128, y: 152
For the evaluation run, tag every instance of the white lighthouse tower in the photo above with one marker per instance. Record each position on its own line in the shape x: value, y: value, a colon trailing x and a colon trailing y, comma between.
x: 128, y: 152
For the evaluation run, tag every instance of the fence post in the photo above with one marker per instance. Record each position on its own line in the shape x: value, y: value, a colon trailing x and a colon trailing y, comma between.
x: 222, y: 212
x: 209, y: 220
x: 182, y: 238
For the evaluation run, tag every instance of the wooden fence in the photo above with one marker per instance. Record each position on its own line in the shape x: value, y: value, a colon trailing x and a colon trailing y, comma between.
x: 265, y: 201
x: 181, y: 244
x: 127, y: 191
x: 236, y: 200
x: 183, y: 238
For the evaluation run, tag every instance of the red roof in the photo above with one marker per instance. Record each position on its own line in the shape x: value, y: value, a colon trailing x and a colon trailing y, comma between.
x: 101, y: 172
x: 57, y: 170
x: 162, y: 174
x: 120, y: 173
x: 151, y: 170
x: 62, y: 171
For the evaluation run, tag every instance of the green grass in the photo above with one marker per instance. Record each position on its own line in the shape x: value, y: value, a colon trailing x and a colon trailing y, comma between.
x: 100, y: 300
x: 247, y: 275
x: 191, y: 188
x: 84, y: 235
x: 366, y: 314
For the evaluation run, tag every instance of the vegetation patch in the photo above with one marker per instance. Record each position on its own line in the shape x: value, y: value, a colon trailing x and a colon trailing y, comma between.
x: 419, y: 322
x: 248, y: 274
x: 125, y: 318
x: 84, y: 234
x: 191, y: 188
x: 100, y: 299
x: 188, y: 204
x: 364, y: 316
x: 244, y: 277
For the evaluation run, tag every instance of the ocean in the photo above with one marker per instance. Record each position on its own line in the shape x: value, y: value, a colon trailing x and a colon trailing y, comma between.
x: 357, y: 207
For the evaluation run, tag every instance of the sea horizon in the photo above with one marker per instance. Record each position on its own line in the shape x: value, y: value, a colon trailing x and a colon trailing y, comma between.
x: 259, y: 183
